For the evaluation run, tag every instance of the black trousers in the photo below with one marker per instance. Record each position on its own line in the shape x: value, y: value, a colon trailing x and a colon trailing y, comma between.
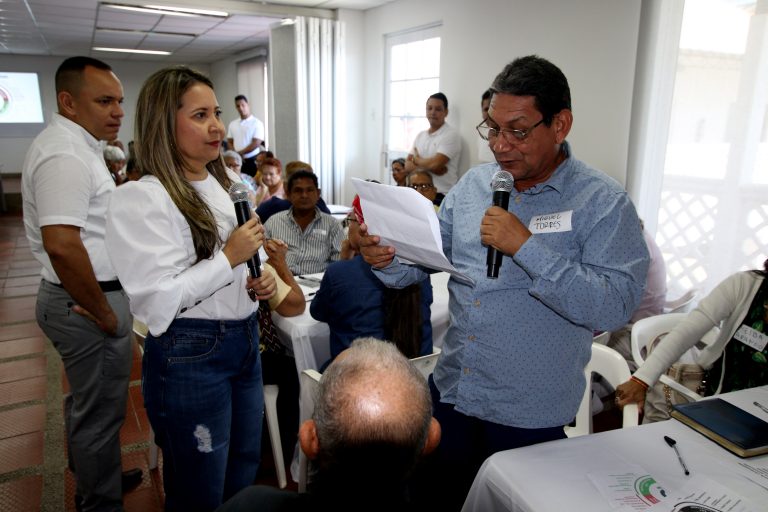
x: 465, y: 443
x: 249, y: 166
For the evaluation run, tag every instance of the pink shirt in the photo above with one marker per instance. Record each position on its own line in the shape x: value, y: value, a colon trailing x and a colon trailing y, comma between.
x: 655, y: 293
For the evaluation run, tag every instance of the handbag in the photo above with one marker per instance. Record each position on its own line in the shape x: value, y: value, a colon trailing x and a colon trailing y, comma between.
x: 660, y: 397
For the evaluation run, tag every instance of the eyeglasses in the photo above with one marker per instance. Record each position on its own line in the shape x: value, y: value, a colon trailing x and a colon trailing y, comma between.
x: 422, y: 186
x: 510, y: 136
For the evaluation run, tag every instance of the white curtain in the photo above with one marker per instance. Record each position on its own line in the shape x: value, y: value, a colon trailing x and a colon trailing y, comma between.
x: 252, y: 81
x: 699, y: 165
x: 320, y: 89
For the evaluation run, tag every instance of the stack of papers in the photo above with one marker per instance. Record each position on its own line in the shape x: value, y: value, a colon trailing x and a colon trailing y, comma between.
x: 405, y: 220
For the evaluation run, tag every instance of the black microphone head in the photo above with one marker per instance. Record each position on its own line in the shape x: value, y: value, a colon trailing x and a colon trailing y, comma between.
x: 502, y: 181
x: 238, y: 192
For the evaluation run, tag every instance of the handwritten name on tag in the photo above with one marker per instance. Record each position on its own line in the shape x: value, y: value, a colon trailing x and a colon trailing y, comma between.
x: 751, y: 338
x: 551, y: 222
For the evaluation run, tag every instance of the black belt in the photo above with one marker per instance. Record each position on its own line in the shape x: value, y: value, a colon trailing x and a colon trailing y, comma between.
x: 106, y: 286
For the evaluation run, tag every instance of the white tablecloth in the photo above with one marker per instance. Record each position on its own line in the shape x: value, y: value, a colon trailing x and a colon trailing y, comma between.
x: 310, y: 339
x: 553, y: 476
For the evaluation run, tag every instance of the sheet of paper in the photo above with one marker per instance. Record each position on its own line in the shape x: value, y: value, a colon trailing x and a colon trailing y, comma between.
x: 758, y: 472
x: 702, y: 494
x: 628, y: 488
x: 309, y: 284
x: 406, y: 220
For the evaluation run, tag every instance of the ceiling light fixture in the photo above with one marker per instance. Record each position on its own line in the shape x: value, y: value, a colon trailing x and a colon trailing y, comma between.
x: 204, y: 12
x: 144, y: 32
x: 130, y: 50
x: 149, y: 10
x: 167, y: 10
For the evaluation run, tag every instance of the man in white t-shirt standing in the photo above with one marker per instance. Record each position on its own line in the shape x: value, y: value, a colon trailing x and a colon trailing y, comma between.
x: 245, y: 135
x: 81, y: 306
x: 438, y: 149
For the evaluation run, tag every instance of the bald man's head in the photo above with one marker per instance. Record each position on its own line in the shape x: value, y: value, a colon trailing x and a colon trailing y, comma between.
x: 373, y: 411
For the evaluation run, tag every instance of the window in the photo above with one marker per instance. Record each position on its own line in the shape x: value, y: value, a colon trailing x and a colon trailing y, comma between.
x: 710, y: 186
x: 413, y: 74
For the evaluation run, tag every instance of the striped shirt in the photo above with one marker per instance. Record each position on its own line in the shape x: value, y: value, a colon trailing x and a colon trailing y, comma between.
x: 312, y: 250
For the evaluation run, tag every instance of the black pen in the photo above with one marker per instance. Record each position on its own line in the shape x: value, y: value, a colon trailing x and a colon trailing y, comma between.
x: 671, y: 442
x: 761, y: 406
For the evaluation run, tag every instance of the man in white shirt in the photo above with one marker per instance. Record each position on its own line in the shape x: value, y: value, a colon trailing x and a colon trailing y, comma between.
x: 81, y: 306
x: 437, y: 149
x: 484, y: 153
x: 245, y: 135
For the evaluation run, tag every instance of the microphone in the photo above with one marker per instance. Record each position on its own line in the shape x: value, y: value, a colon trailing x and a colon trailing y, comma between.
x: 238, y: 192
x: 501, y: 184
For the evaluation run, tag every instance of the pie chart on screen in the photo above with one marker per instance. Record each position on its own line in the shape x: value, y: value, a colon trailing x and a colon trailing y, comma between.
x: 5, y: 100
x: 20, y: 100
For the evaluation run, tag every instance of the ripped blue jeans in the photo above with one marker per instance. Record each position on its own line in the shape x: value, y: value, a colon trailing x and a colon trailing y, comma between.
x: 204, y: 397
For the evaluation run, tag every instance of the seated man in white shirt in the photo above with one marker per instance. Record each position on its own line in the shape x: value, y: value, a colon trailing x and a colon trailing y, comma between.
x: 313, y: 237
x: 437, y: 149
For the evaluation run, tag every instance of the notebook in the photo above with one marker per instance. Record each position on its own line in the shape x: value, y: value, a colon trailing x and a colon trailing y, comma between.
x: 729, y: 426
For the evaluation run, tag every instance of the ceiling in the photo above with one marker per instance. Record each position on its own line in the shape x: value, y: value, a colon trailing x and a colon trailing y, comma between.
x: 74, y: 27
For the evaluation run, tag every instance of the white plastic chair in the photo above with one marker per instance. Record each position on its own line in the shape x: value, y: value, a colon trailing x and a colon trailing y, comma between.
x: 602, y: 338
x: 426, y: 364
x: 270, y: 411
x: 614, y: 369
x: 310, y: 380
x: 682, y: 304
x: 647, y: 330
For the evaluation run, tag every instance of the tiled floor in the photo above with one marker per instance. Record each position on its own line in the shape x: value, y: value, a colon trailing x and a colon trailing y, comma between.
x: 33, y: 473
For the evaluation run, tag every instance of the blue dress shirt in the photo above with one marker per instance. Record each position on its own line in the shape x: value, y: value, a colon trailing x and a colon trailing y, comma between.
x: 351, y: 301
x: 517, y: 345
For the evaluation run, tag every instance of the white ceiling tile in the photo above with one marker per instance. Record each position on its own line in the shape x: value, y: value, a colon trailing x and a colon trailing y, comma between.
x: 107, y: 16
x: 112, y: 39
x: 68, y: 27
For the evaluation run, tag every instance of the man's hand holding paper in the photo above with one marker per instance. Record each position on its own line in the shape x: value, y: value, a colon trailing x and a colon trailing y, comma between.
x: 401, y: 218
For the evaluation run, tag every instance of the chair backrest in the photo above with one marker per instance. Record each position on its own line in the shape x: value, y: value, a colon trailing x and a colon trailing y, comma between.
x: 647, y: 330
x: 681, y: 304
x: 426, y: 364
x: 614, y: 369
x: 602, y: 338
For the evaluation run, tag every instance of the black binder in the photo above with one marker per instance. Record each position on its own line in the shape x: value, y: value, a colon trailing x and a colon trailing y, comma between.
x: 729, y: 426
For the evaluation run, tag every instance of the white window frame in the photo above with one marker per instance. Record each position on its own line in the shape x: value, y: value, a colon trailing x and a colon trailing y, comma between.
x: 408, y: 36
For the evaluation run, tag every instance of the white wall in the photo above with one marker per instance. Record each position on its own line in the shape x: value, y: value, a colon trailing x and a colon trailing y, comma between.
x: 594, y: 42
x: 132, y: 75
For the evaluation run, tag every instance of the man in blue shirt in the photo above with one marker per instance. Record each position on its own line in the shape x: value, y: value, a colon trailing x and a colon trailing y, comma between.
x: 511, y: 371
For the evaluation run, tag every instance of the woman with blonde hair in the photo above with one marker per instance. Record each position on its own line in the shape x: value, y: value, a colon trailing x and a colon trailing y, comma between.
x: 174, y: 238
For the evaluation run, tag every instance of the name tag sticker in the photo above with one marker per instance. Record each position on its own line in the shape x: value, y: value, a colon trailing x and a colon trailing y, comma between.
x: 551, y: 222
x: 751, y: 338
x: 321, y: 232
